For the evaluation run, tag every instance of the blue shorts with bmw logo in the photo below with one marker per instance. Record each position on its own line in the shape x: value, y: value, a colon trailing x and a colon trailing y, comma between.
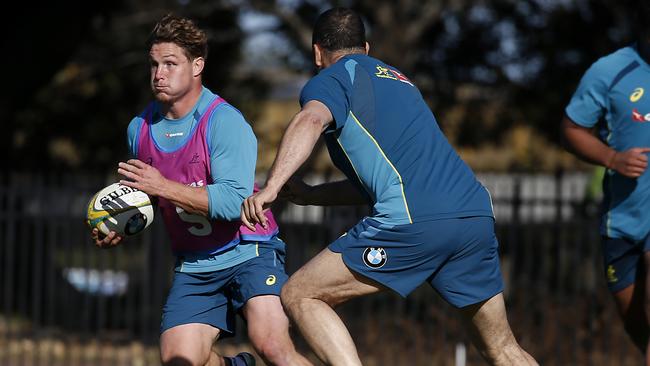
x: 457, y: 257
x: 215, y: 297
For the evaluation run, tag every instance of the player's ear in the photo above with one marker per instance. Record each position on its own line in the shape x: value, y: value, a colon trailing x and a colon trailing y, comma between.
x: 197, y: 66
x: 318, y: 56
x: 367, y: 48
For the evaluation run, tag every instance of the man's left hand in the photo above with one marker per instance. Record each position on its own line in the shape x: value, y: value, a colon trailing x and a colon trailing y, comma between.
x: 254, y: 207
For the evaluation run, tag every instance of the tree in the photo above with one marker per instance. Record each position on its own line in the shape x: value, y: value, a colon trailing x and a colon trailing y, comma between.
x: 493, y: 72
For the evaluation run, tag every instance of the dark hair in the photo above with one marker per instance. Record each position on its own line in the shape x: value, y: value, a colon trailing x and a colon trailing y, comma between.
x: 339, y: 29
x: 183, y: 32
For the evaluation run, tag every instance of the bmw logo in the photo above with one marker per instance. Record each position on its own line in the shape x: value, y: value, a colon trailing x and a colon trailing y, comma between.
x: 135, y: 224
x: 374, y: 257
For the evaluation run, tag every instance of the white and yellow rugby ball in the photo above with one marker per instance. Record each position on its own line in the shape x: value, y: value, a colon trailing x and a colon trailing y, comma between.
x: 120, y: 208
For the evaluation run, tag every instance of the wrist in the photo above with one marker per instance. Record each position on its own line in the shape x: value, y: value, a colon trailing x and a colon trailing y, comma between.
x: 163, y: 189
x: 272, y: 186
x: 609, y: 164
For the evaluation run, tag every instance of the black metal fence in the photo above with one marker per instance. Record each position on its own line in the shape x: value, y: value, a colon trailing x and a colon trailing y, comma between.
x: 65, y: 302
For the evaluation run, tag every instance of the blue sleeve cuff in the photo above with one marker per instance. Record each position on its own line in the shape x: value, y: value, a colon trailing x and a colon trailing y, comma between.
x: 229, y: 202
x: 575, y: 116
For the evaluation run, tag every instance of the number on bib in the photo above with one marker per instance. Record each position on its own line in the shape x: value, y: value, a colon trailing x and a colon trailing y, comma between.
x: 201, y: 225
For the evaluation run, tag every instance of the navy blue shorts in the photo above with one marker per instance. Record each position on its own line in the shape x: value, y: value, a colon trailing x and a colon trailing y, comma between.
x: 622, y: 259
x: 215, y: 297
x: 457, y: 257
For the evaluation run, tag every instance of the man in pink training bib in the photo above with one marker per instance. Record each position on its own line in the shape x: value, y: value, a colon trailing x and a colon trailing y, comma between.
x: 196, y: 153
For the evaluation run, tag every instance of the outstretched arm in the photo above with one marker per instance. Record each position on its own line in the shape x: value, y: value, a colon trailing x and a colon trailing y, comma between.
x: 580, y: 141
x: 326, y: 194
x: 296, y: 146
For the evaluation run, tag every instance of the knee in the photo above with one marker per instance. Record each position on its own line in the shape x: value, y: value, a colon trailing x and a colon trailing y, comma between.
x: 290, y: 296
x: 274, y: 351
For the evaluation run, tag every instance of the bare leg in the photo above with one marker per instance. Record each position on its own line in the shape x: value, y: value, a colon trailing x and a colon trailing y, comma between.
x: 646, y: 302
x: 309, y: 297
x: 268, y: 330
x: 491, y: 334
x: 189, y: 345
x: 630, y: 304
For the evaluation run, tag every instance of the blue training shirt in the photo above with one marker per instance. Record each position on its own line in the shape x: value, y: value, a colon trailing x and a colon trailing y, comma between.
x: 386, y: 140
x: 233, y: 154
x: 613, y: 95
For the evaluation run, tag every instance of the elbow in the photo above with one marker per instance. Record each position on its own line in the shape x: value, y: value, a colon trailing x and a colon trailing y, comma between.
x: 310, y: 120
x: 567, y: 131
x: 565, y: 141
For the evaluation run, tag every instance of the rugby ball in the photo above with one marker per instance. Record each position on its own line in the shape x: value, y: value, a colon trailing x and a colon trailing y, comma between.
x: 120, y: 208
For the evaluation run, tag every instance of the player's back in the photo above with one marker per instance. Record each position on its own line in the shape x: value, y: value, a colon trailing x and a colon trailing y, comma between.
x: 387, y: 139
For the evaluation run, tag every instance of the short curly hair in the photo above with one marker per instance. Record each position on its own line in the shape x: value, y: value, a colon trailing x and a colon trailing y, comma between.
x: 182, y: 32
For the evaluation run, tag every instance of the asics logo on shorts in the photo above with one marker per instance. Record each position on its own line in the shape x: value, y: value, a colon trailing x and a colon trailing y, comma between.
x: 270, y: 280
x: 611, y: 274
x: 374, y: 257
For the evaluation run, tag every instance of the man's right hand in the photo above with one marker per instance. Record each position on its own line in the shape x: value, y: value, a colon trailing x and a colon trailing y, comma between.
x: 631, y: 163
x: 105, y: 241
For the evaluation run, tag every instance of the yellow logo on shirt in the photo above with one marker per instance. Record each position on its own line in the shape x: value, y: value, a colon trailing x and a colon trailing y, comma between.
x: 270, y: 281
x: 611, y: 274
x: 636, y: 95
x: 386, y: 73
x: 383, y: 72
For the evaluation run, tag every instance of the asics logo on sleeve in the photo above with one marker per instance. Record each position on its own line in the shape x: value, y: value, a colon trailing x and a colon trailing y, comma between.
x: 636, y: 95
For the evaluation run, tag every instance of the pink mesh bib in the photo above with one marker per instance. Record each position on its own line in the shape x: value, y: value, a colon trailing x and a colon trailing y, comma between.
x: 190, y: 165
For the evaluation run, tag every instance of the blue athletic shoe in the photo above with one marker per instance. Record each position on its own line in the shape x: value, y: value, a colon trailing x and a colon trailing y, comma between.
x: 242, y: 359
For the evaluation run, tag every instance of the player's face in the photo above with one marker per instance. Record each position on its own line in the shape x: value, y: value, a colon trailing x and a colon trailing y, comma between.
x: 172, y: 74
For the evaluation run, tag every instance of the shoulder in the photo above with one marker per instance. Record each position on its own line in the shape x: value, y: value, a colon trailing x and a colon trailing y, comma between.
x: 337, y: 72
x: 333, y: 78
x: 368, y: 64
x: 619, y: 58
x: 607, y: 68
x: 227, y: 124
x: 324, y: 77
x: 137, y: 121
x: 226, y: 113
